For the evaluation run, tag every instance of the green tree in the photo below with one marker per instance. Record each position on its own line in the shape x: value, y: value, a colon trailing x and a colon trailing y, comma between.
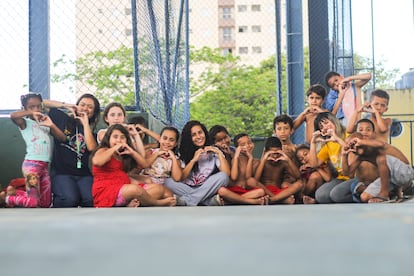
x: 242, y: 98
x: 384, y: 78
x: 108, y: 75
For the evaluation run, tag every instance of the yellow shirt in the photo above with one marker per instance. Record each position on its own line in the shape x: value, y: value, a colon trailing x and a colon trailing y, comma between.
x: 331, y: 151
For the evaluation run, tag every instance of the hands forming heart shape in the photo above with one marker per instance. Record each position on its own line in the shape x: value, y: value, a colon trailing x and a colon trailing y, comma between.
x: 165, y: 155
x: 368, y: 109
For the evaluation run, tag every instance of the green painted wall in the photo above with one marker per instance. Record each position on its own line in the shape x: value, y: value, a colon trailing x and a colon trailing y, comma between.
x: 12, y: 151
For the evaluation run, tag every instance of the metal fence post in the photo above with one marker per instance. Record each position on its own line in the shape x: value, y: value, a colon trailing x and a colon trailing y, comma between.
x: 39, y: 70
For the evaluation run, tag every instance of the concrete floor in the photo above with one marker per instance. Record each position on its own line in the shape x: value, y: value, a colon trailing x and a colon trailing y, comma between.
x: 346, y: 239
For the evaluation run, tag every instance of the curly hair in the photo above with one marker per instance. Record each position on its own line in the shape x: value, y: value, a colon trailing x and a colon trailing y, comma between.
x: 187, y: 147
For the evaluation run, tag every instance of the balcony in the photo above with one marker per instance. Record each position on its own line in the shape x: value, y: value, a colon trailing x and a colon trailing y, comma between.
x: 226, y: 22
x: 225, y: 3
x: 227, y: 43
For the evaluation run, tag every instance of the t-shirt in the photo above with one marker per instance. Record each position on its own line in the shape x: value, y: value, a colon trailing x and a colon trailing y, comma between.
x: 160, y: 169
x: 38, y: 141
x: 330, y: 101
x: 331, y: 151
x: 208, y: 164
x: 65, y: 154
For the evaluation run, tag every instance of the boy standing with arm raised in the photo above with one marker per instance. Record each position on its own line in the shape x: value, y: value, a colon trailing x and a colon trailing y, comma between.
x: 345, y: 94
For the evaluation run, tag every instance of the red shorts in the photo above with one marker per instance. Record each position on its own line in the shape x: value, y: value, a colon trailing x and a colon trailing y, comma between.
x: 274, y: 189
x: 239, y: 190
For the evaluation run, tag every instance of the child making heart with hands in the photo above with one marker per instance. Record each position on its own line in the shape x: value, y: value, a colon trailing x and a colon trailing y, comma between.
x: 112, y: 186
x: 36, y: 128
x: 162, y: 161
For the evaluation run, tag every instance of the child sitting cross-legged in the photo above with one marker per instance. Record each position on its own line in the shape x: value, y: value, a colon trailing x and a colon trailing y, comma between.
x: 312, y: 177
x: 274, y: 164
x: 244, y: 188
x: 112, y: 186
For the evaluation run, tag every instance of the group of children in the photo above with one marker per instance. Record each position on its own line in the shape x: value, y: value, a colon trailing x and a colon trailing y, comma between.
x: 344, y: 158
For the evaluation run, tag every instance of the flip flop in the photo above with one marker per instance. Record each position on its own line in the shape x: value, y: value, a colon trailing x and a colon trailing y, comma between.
x: 380, y: 199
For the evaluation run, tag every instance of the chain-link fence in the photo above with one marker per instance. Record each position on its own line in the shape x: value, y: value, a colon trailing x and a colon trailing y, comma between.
x: 111, y: 49
x: 114, y: 48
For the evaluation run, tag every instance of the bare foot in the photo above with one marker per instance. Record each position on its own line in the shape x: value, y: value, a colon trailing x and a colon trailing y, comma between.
x: 308, y: 200
x: 289, y: 200
x: 133, y: 203
x: 256, y: 201
x: 168, y: 201
x: 379, y: 199
x: 10, y: 190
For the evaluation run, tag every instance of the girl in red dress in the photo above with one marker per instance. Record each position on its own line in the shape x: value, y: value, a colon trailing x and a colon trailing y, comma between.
x: 111, y: 185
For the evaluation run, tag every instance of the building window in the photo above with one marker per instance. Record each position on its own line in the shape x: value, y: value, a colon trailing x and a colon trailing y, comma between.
x: 243, y: 50
x: 256, y: 8
x: 256, y: 28
x: 226, y: 51
x: 227, y: 34
x: 242, y: 29
x: 226, y: 12
x: 257, y: 50
x: 241, y: 8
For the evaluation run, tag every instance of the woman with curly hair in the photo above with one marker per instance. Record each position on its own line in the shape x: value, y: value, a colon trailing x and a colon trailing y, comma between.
x: 205, y: 168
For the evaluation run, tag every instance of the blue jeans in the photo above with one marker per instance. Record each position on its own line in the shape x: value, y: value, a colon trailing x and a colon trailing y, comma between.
x: 72, y: 191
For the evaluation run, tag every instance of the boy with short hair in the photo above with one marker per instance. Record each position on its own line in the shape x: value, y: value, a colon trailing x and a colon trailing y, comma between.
x: 274, y: 164
x: 315, y: 96
x: 243, y: 189
x: 283, y: 129
x: 394, y: 170
x: 348, y: 88
x: 377, y: 106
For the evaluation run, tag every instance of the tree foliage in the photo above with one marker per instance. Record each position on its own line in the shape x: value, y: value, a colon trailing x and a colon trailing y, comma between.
x: 240, y: 97
x: 109, y: 76
x: 226, y: 92
x: 384, y: 78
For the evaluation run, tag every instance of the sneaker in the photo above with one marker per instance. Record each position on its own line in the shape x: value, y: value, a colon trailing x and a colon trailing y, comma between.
x: 216, y: 201
x: 179, y: 201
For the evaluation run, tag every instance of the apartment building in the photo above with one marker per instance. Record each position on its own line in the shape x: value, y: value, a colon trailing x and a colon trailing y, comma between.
x: 245, y: 28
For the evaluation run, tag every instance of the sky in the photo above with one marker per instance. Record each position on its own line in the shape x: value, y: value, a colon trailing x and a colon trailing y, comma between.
x: 393, y: 32
x: 393, y: 39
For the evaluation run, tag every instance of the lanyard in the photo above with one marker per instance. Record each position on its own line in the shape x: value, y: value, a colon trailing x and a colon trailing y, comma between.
x: 78, y: 154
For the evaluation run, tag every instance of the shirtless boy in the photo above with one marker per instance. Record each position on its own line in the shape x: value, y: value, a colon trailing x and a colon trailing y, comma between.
x: 377, y: 106
x: 386, y: 168
x: 243, y: 188
x: 274, y: 164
